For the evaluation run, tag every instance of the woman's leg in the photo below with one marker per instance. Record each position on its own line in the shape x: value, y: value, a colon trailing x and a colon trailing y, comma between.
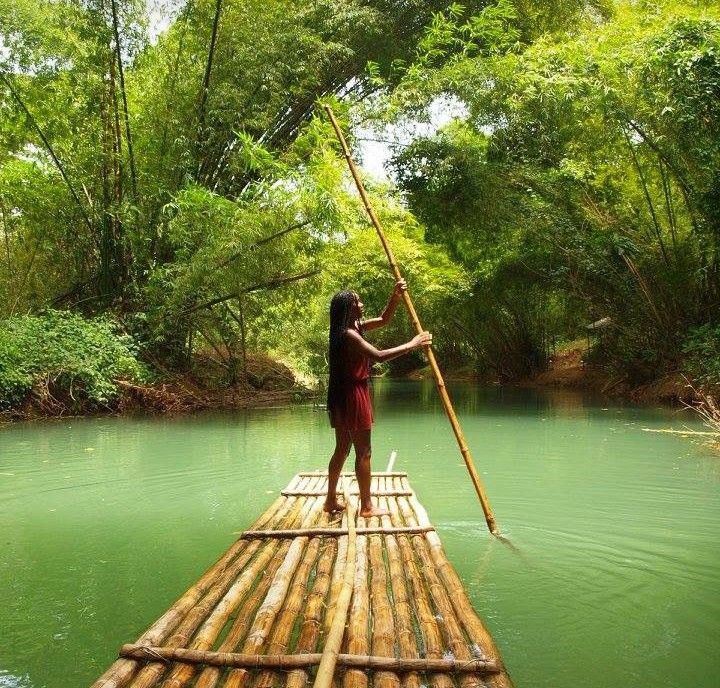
x: 342, y: 447
x: 361, y: 441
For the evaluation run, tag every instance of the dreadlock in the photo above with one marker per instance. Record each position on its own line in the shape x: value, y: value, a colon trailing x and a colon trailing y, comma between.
x: 341, y: 307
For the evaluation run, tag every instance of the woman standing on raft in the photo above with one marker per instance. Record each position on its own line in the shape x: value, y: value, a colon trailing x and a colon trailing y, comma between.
x: 348, y: 399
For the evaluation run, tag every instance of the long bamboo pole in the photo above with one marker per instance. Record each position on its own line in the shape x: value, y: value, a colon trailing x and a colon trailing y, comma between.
x: 439, y: 382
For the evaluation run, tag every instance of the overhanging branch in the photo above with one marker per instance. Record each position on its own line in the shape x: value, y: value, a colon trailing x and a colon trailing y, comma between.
x: 271, y: 284
x: 261, y: 242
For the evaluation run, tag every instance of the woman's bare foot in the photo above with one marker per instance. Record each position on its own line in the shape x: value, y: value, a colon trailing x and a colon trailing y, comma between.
x: 333, y: 507
x: 369, y: 512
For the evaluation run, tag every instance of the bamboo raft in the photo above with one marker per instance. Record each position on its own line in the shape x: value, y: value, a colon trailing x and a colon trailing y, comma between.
x: 303, y: 596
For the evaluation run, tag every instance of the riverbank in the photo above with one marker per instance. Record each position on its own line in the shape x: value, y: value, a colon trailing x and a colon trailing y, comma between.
x: 262, y: 381
x: 568, y: 369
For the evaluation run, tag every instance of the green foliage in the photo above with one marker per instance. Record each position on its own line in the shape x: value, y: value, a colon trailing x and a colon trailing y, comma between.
x: 67, y: 356
x: 214, y: 213
x: 585, y: 176
x: 702, y: 345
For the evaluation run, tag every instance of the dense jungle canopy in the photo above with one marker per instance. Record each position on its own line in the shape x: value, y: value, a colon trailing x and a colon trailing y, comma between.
x: 169, y: 185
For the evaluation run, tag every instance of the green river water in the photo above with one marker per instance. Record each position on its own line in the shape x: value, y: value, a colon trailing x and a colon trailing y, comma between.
x: 105, y: 522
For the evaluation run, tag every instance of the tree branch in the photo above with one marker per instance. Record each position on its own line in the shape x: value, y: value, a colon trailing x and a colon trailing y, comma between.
x: 261, y: 242
x: 272, y: 284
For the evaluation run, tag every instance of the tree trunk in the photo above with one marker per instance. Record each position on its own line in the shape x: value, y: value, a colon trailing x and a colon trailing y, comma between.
x: 121, y: 77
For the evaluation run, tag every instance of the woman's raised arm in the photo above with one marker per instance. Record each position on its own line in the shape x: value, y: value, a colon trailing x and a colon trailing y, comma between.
x: 387, y: 314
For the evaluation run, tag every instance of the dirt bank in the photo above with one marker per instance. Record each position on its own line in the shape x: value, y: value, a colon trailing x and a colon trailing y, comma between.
x: 262, y: 381
x: 567, y: 369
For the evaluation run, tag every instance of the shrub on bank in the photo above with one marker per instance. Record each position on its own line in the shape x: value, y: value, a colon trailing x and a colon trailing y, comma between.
x: 62, y: 361
x: 702, y: 346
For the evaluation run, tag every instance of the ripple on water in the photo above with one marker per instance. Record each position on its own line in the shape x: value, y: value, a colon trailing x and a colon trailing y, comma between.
x: 612, y: 578
x: 8, y: 680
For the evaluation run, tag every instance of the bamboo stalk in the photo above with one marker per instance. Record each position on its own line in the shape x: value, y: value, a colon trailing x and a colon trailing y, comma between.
x: 383, y: 624
x: 326, y: 669
x: 257, y: 634
x: 354, y: 493
x: 214, y: 609
x: 439, y: 382
x: 357, y: 630
x: 120, y: 672
x: 230, y: 587
x: 205, y: 89
x: 351, y: 476
x: 48, y: 146
x: 123, y: 93
x: 401, y: 599
x: 451, y: 628
x: 270, y: 608
x: 336, y: 580
x: 241, y: 627
x: 245, y: 612
x: 280, y: 639
x: 681, y: 432
x: 295, y: 661
x: 310, y: 629
x: 338, y: 583
x: 474, y: 627
x: 427, y: 621
x: 329, y: 532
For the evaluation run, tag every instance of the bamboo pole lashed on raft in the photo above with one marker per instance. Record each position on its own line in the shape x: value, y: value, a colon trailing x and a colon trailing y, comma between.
x: 314, y: 608
x: 333, y: 640
x: 449, y: 596
x: 214, y: 610
x: 439, y: 382
x: 121, y: 671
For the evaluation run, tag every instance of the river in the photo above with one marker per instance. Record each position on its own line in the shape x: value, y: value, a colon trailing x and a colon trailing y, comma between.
x: 616, y: 579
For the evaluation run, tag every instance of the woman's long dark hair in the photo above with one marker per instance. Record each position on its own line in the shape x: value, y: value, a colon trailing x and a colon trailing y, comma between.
x: 341, y: 309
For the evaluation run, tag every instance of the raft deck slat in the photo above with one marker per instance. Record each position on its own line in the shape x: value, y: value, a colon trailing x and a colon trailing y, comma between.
x: 233, y: 659
x: 258, y: 618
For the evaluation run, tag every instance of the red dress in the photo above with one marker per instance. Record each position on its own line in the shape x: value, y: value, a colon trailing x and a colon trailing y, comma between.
x: 355, y: 413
